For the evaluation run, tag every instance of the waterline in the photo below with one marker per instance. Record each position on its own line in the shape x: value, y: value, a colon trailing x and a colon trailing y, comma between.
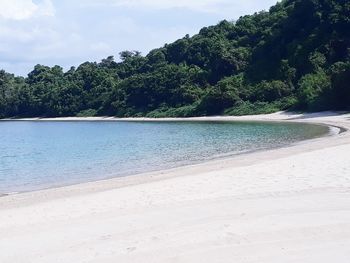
x: 38, y: 155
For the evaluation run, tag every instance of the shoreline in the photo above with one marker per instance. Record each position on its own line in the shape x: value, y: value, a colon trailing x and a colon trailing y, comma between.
x: 228, y: 157
x: 288, y: 204
x: 163, y: 174
x: 332, y: 131
x: 277, y: 116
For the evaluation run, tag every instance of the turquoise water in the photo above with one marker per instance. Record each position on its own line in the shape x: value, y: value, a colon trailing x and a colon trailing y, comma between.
x: 37, y: 155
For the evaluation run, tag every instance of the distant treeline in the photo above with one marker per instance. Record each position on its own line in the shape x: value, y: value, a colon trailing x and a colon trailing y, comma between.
x: 296, y: 56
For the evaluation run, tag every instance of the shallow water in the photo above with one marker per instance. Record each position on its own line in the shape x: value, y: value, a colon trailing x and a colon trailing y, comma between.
x: 37, y: 155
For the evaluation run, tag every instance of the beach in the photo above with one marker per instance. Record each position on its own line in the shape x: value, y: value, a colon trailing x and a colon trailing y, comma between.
x: 288, y: 204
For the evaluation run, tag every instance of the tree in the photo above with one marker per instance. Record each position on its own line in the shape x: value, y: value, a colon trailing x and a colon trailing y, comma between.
x: 295, y: 55
x: 314, y: 91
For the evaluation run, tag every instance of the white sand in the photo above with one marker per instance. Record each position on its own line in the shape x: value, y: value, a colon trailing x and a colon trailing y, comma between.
x: 282, y: 205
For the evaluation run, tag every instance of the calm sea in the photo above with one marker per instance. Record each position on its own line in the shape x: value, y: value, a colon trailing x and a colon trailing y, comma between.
x: 37, y: 155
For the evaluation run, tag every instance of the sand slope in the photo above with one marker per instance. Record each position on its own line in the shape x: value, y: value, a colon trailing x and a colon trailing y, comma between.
x: 282, y: 205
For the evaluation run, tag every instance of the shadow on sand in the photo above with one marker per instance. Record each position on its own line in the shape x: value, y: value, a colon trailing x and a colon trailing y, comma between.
x: 319, y: 114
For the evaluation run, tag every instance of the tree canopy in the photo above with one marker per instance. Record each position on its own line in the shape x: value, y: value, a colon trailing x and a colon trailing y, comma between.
x: 295, y: 56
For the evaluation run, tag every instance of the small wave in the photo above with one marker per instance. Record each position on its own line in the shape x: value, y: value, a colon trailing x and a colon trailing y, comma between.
x: 333, y: 130
x: 7, y: 194
x: 9, y: 156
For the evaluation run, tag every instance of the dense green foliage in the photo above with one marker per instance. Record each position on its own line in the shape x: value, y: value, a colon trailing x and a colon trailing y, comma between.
x: 296, y: 56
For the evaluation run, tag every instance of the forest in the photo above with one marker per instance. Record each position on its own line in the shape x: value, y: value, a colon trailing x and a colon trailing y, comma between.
x: 296, y: 56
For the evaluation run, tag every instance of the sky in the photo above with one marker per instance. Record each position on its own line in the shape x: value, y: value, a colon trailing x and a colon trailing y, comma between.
x: 70, y: 32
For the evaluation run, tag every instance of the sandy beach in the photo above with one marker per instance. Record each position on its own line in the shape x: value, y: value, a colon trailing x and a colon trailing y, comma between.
x: 290, y: 204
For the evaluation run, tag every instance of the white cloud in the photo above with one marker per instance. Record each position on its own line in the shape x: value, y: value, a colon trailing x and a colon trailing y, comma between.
x: 46, y: 8
x: 74, y: 31
x: 101, y: 47
x: 208, y: 6
x: 199, y: 5
x: 25, y: 9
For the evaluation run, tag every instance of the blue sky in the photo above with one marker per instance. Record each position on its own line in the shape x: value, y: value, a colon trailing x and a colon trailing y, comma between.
x: 69, y: 32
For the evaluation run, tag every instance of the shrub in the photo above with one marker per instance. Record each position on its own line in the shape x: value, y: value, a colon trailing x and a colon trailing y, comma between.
x: 314, y: 91
x: 87, y: 113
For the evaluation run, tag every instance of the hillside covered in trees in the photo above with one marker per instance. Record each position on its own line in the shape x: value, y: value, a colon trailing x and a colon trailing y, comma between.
x: 296, y: 56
